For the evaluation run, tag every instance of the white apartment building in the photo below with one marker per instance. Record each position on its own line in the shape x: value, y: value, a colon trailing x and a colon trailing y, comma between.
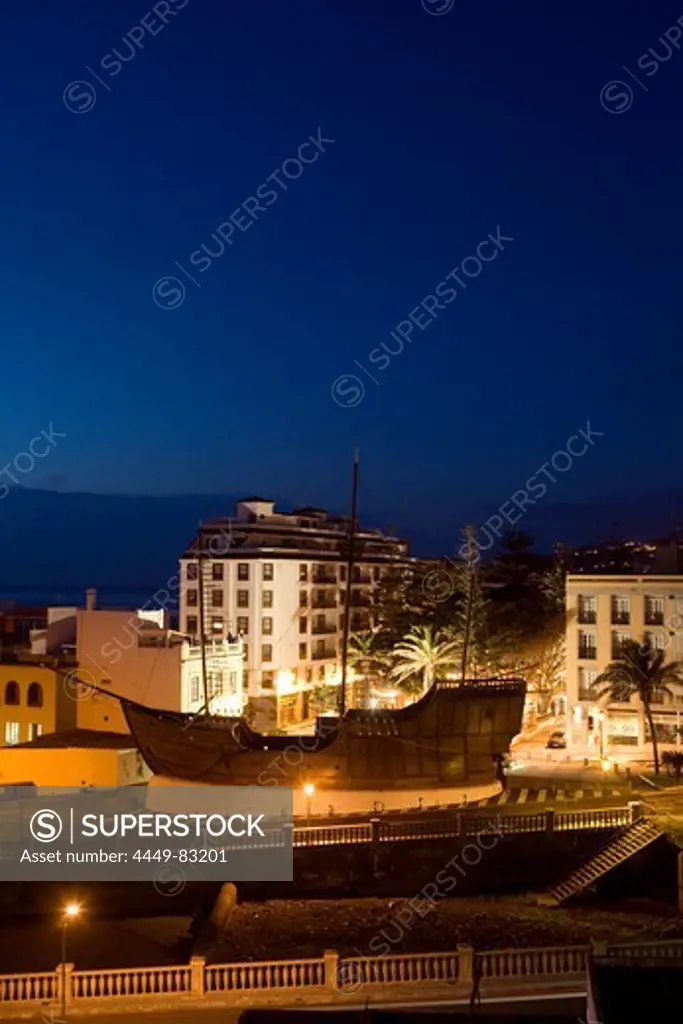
x: 602, y: 613
x: 277, y: 581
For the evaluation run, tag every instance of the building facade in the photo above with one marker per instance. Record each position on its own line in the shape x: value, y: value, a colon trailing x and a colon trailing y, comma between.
x: 602, y: 613
x: 223, y: 662
x: 33, y: 701
x: 278, y: 580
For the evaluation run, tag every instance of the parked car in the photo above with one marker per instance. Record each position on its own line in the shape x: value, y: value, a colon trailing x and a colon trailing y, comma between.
x: 557, y: 741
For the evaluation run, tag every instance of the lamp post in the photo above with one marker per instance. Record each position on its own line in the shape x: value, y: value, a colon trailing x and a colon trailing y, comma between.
x: 309, y: 790
x: 70, y: 913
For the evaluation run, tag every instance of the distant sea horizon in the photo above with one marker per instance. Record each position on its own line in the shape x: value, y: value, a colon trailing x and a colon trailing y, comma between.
x: 107, y: 597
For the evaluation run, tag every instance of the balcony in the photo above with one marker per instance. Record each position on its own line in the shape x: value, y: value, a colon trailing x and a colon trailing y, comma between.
x: 620, y: 618
x: 324, y: 601
x: 323, y: 629
x: 654, y: 617
x: 362, y: 576
x: 588, y: 652
x: 325, y: 653
x: 587, y: 616
x: 324, y: 576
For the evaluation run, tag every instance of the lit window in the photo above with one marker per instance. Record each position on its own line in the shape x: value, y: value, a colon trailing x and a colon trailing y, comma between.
x: 35, y: 730
x: 268, y: 570
x: 266, y: 652
x: 11, y: 732
x: 267, y: 625
x: 243, y: 624
x: 216, y: 624
x: 267, y: 598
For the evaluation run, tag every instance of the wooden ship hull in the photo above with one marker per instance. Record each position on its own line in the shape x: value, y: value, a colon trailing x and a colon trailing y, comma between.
x: 452, y: 736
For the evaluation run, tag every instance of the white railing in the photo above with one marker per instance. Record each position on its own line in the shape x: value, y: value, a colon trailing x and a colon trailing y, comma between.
x: 140, y: 981
x: 276, y: 974
x: 28, y: 988
x: 545, y: 960
x: 324, y: 980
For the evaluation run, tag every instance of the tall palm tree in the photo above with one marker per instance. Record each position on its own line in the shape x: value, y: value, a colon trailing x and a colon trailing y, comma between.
x: 641, y: 671
x: 367, y: 659
x: 423, y: 651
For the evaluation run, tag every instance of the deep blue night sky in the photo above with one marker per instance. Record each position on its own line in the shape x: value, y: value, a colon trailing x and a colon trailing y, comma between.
x: 445, y: 128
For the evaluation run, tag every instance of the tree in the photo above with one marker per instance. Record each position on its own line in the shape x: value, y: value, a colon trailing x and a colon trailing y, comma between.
x: 368, y: 660
x: 640, y: 671
x: 422, y: 652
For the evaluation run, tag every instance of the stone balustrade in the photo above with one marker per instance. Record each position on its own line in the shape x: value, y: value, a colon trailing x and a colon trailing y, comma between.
x: 323, y: 981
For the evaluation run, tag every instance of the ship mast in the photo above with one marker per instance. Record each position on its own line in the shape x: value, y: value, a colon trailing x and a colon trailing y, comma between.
x: 202, y: 639
x: 349, y: 572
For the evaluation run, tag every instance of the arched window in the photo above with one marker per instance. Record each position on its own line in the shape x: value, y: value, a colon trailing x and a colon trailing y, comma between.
x: 35, y: 696
x: 12, y: 693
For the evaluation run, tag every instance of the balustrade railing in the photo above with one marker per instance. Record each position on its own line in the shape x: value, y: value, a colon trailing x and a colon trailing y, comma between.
x: 330, y: 976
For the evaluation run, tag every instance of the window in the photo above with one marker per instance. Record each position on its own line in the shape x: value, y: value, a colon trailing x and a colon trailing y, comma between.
x: 267, y: 680
x: 267, y: 625
x: 320, y: 648
x: 654, y: 611
x: 216, y: 598
x: 12, y: 693
x: 588, y: 608
x: 246, y: 652
x: 342, y: 574
x: 621, y: 611
x: 268, y: 570
x: 191, y: 625
x: 192, y: 597
x: 216, y: 624
x: 656, y: 640
x: 303, y: 599
x: 303, y: 652
x: 243, y: 624
x: 341, y: 621
x: 267, y: 598
x: 303, y: 573
x: 217, y: 571
x: 588, y: 644
x: 35, y: 696
x: 303, y: 624
x: 309, y: 675
x: 35, y: 730
x: 191, y: 573
x: 242, y: 598
x: 266, y: 652
x: 619, y: 638
x: 194, y: 689
x: 242, y: 570
x: 11, y: 732
x: 342, y: 598
x: 587, y: 677
x: 321, y: 673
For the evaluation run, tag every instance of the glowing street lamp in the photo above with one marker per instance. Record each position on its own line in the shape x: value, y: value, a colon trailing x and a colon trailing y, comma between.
x: 70, y: 912
x: 309, y: 790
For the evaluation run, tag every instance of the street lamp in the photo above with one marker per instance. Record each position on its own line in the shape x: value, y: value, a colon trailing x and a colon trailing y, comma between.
x: 70, y: 913
x: 309, y: 790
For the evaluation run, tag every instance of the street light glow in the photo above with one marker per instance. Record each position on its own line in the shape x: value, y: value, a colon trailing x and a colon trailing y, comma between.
x: 309, y: 789
x: 72, y: 910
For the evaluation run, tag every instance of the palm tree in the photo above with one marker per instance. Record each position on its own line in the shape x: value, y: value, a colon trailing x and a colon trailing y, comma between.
x: 424, y: 652
x: 367, y: 659
x: 640, y: 671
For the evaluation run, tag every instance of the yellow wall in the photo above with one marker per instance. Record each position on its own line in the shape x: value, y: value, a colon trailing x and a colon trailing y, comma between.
x: 57, y: 712
x: 60, y: 767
